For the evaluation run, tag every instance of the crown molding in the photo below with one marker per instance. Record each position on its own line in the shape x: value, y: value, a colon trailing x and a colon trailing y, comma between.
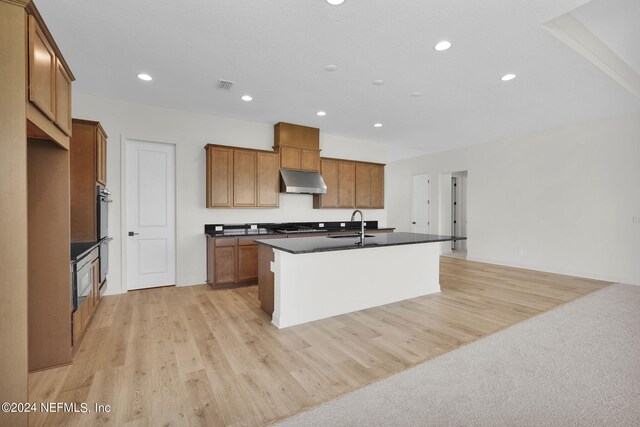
x: 20, y: 3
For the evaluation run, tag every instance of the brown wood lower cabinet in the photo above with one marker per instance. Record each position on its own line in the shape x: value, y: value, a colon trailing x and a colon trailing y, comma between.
x: 233, y: 261
x: 247, y: 261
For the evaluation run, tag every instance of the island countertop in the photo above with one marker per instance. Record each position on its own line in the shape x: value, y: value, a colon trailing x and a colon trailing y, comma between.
x: 327, y: 244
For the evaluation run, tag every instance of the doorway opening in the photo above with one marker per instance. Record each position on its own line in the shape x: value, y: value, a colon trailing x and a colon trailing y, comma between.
x: 459, y: 210
x: 421, y: 221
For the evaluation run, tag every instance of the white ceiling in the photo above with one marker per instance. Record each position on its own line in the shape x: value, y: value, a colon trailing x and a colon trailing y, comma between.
x: 277, y: 50
x: 617, y: 24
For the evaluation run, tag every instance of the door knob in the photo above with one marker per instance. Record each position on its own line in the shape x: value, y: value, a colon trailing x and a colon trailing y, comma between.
x: 131, y: 233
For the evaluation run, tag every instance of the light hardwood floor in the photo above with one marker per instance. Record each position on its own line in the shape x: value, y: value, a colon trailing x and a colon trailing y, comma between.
x: 195, y: 356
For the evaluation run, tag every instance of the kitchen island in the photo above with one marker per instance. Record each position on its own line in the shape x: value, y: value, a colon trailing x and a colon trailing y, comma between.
x: 306, y: 279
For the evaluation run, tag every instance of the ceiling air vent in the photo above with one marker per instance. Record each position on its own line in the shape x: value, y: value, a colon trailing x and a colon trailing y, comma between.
x: 224, y: 84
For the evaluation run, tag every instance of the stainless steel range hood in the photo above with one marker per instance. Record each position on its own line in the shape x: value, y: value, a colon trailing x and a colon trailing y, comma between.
x: 301, y: 182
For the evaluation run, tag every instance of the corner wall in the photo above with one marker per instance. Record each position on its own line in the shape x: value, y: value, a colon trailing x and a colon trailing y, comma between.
x: 190, y: 132
x: 562, y: 200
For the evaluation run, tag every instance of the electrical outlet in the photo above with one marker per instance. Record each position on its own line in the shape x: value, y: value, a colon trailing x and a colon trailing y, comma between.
x: 321, y: 225
x: 218, y: 228
x: 254, y: 227
x: 342, y: 224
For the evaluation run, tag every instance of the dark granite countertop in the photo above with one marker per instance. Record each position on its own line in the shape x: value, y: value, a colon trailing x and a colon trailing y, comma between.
x: 269, y: 229
x: 326, y: 244
x: 78, y: 250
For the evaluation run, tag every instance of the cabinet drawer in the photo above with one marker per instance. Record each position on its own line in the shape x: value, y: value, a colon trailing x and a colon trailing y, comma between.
x: 247, y: 241
x: 225, y: 242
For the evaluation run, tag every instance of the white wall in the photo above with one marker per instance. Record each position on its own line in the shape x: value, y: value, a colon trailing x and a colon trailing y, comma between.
x: 190, y: 132
x: 561, y: 200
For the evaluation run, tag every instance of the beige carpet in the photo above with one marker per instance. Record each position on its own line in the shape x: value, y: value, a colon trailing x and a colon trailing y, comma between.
x: 576, y: 365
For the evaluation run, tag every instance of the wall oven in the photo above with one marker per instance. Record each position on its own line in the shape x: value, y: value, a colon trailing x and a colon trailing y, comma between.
x: 104, y: 258
x: 82, y: 283
x: 103, y: 211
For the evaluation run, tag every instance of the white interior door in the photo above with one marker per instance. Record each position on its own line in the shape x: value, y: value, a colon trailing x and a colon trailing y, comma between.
x: 420, y: 220
x: 151, y: 214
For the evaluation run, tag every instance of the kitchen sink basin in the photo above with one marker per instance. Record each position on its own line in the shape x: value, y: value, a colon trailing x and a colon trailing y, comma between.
x: 344, y: 236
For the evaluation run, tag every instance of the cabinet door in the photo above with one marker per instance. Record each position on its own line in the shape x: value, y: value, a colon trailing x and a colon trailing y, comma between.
x: 363, y: 185
x: 310, y: 160
x: 268, y: 179
x: 329, y: 172
x: 42, y: 71
x: 244, y: 178
x: 219, y: 177
x: 247, y: 263
x: 211, y: 250
x: 225, y: 264
x: 101, y: 157
x: 346, y: 184
x: 289, y: 158
x: 63, y: 99
x: 377, y: 186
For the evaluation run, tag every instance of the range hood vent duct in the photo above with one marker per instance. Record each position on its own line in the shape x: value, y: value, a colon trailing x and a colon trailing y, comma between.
x: 301, y: 182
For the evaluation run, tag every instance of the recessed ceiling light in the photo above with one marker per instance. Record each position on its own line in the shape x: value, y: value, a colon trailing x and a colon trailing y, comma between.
x: 416, y: 94
x: 247, y: 98
x: 321, y: 113
x: 335, y: 2
x: 330, y: 68
x: 145, y: 77
x: 378, y: 82
x: 378, y: 125
x: 443, y: 45
x: 508, y: 77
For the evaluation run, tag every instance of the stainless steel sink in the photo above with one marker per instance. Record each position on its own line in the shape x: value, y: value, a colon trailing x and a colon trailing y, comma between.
x: 345, y: 236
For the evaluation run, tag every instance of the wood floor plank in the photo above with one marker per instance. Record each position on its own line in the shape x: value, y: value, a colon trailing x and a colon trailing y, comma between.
x: 197, y: 356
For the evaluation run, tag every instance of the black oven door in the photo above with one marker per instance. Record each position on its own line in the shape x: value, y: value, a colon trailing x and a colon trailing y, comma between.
x: 103, y: 212
x: 104, y: 258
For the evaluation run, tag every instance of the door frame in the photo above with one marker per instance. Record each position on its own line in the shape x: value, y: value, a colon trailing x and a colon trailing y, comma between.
x: 123, y: 205
x: 413, y: 177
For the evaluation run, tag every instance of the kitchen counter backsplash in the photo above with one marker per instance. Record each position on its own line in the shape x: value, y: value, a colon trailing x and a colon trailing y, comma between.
x: 294, y: 227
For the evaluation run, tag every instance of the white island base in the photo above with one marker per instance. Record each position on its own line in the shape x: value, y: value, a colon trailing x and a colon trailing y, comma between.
x: 317, y: 285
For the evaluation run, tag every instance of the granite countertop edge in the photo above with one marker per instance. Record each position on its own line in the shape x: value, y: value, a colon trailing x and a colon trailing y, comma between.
x: 273, y: 233
x: 344, y: 247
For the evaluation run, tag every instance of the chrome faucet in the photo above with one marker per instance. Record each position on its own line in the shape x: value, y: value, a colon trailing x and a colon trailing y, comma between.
x: 353, y: 216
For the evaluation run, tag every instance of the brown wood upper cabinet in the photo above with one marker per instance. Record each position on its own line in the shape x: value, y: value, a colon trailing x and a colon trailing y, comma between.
x: 49, y: 79
x: 244, y: 178
x: 298, y: 146
x: 101, y: 155
x: 87, y: 167
x: 63, y: 99
x: 241, y: 178
x: 369, y: 186
x: 351, y: 185
x: 219, y: 176
x: 346, y: 184
x: 268, y: 179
